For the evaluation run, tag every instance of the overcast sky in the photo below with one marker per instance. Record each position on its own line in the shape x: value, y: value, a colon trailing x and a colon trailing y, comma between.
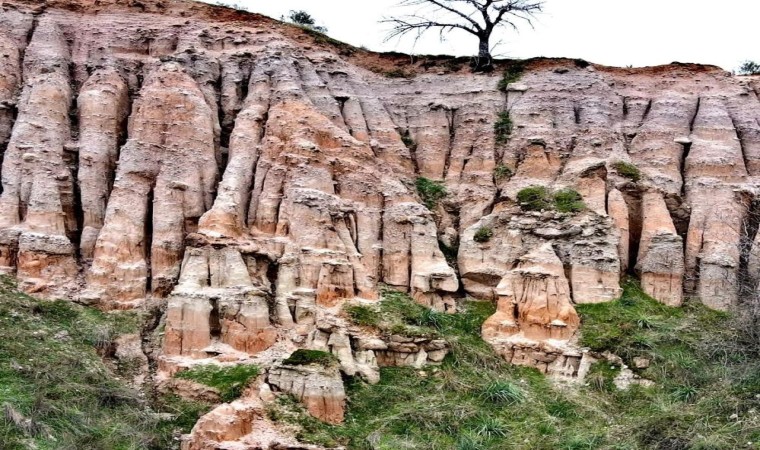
x: 611, y: 32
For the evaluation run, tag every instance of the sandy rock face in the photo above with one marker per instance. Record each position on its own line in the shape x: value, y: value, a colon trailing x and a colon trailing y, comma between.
x: 319, y: 388
x: 254, y: 181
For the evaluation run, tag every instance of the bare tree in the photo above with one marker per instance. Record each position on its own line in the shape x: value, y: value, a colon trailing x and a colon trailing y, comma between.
x: 477, y: 17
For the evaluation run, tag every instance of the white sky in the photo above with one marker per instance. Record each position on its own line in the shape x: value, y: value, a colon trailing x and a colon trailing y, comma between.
x: 610, y: 32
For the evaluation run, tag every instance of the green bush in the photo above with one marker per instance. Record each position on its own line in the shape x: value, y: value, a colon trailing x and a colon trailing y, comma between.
x: 534, y: 198
x: 228, y: 380
x: 483, y: 234
x: 430, y: 191
x: 302, y: 357
x: 568, y: 200
x: 627, y: 170
x: 501, y: 172
x: 749, y: 68
x: 511, y: 75
x: 503, y: 127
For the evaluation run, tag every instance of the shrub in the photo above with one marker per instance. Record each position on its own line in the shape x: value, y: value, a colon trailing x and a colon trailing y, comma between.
x: 503, y: 127
x: 229, y: 381
x: 749, y: 68
x: 511, y: 75
x: 502, y: 171
x: 430, y: 191
x: 534, y: 198
x: 627, y: 170
x: 484, y: 234
x: 304, y: 357
x: 568, y: 200
x: 581, y: 63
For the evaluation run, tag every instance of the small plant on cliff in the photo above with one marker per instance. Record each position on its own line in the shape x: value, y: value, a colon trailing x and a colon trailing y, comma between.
x: 534, y: 198
x: 398, y: 73
x: 503, y: 127
x: 408, y: 141
x: 229, y: 380
x: 430, y: 191
x: 627, y: 170
x: 501, y: 172
x: 512, y: 74
x: 483, y: 234
x: 749, y: 68
x: 302, y: 357
x: 568, y: 200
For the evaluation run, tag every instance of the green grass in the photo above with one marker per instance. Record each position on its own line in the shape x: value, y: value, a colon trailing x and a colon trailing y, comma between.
x: 503, y: 127
x: 55, y: 390
x: 228, y: 380
x: 431, y: 192
x: 303, y: 357
x: 627, y: 170
x: 474, y: 400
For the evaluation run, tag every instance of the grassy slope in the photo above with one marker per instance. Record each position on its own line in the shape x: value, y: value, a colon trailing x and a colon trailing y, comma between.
x: 704, y: 376
x: 56, y: 392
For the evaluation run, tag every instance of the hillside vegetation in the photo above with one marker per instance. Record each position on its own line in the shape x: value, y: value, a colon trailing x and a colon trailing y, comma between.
x: 56, y: 393
x: 706, y: 393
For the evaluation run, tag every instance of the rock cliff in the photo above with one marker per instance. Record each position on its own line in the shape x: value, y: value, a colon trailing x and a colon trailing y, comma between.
x: 253, y: 177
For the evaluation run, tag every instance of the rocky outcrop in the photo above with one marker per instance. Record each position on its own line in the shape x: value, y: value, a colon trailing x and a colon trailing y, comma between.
x: 240, y: 424
x: 587, y: 246
x: 318, y: 387
x: 535, y: 317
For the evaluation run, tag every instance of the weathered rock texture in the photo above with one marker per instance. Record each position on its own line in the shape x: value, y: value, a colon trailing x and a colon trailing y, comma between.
x: 255, y: 179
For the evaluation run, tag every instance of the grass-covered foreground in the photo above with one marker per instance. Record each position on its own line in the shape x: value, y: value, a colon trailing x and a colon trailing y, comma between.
x: 707, y: 392
x: 55, y: 391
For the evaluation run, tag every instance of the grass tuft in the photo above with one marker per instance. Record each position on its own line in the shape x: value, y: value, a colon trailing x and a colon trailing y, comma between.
x: 302, y: 357
x: 228, y: 380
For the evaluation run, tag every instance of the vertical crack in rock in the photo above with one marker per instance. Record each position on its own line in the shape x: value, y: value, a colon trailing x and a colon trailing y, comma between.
x: 696, y: 113
x: 749, y: 259
x: 647, y: 110
x: 451, y: 116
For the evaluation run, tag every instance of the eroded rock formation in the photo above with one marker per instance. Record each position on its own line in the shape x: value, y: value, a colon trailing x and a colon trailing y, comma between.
x: 254, y: 180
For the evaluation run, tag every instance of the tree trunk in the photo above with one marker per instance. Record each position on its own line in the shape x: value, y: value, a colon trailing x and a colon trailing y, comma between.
x: 484, y: 62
